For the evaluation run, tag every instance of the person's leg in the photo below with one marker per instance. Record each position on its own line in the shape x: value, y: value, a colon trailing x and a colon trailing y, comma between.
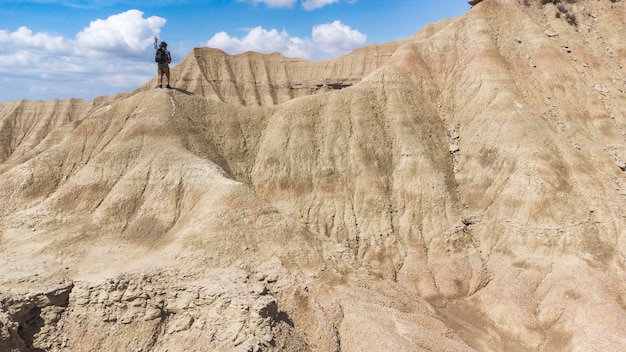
x: 167, y: 74
x: 160, y: 76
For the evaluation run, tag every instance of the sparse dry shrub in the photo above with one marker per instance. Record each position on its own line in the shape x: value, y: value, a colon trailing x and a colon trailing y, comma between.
x: 563, y: 9
x: 571, y: 19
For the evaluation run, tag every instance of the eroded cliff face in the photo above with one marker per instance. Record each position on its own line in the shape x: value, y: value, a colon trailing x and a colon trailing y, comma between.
x: 462, y: 189
x: 253, y: 79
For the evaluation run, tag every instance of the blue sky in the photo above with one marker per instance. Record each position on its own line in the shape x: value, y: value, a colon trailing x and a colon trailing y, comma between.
x: 85, y: 49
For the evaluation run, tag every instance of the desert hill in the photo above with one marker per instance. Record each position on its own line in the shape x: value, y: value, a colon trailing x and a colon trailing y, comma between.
x: 253, y: 79
x: 459, y: 190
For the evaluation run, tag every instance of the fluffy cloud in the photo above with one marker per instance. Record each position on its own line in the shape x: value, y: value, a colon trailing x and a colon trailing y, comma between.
x: 126, y: 33
x: 316, y: 4
x: 273, y: 3
x: 24, y: 38
x: 332, y: 38
x: 108, y: 53
x: 264, y: 41
x: 306, y: 4
x: 337, y: 38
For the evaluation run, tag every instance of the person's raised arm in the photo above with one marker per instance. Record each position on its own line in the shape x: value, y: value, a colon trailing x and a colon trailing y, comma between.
x: 156, y: 40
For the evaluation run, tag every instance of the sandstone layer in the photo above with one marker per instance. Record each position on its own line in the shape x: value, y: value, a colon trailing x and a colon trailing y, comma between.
x: 460, y: 190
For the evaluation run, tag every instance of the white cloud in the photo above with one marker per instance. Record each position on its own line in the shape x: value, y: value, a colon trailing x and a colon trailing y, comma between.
x: 337, y: 38
x: 273, y: 3
x: 316, y: 4
x: 121, y: 35
x: 127, y: 33
x: 332, y: 38
x: 263, y: 41
x: 23, y: 38
x: 306, y: 4
x: 108, y: 55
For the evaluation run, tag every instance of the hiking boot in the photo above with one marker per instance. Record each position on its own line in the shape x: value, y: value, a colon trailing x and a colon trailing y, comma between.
x: 168, y: 87
x: 160, y: 86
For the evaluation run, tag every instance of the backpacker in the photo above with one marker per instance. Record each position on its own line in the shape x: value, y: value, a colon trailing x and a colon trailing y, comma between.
x: 160, y: 56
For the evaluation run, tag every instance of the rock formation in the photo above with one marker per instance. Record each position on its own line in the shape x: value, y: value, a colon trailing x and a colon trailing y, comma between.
x: 459, y: 190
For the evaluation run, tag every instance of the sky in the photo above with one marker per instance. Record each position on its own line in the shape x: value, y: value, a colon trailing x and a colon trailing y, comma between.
x: 85, y: 49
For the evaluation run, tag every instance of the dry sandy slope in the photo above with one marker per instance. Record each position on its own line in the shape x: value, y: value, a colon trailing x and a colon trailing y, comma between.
x: 463, y: 191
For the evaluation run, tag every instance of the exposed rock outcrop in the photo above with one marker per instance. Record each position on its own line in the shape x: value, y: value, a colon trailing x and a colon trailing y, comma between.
x: 253, y: 79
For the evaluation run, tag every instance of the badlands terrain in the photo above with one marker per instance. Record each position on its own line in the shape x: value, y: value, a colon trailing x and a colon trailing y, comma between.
x: 459, y: 190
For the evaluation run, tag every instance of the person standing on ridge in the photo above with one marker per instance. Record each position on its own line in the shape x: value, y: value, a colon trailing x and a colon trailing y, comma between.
x: 163, y: 58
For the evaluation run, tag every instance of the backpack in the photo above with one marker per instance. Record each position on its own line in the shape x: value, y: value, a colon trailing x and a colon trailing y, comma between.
x: 160, y: 56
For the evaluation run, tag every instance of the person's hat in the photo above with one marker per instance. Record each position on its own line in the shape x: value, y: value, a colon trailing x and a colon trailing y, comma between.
x: 163, y: 44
